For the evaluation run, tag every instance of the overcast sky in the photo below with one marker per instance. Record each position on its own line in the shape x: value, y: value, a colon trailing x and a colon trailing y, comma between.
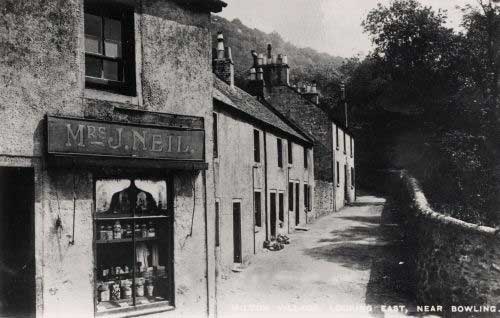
x: 331, y: 26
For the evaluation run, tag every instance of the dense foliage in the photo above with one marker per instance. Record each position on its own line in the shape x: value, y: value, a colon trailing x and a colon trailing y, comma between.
x: 426, y: 99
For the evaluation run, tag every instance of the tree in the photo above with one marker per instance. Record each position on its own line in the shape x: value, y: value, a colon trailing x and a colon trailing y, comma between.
x: 419, y: 54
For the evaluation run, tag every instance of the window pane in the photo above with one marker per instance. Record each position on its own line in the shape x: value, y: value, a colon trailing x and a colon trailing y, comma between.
x: 93, y: 66
x: 93, y: 33
x: 111, y: 70
x: 112, y: 37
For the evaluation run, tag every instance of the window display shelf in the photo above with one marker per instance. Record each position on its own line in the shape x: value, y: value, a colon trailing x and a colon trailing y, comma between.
x: 126, y: 240
x: 129, y: 217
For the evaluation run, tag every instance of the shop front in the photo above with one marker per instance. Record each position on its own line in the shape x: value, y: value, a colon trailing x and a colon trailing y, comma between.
x: 141, y: 178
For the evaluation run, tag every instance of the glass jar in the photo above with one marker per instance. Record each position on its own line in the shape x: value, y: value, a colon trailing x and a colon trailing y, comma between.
x: 117, y: 231
x: 126, y: 289
x: 115, y: 292
x: 137, y: 231
x: 151, y: 230
x: 109, y: 232
x: 127, y: 233
x: 149, y: 289
x: 103, y: 235
x: 103, y: 292
x: 139, y: 288
x: 144, y: 230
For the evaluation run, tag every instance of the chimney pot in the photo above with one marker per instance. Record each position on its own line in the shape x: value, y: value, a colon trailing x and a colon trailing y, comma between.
x: 260, y: 59
x: 285, y: 59
x: 260, y: 74
x: 253, y: 75
x: 229, y: 53
x: 269, y: 50
x: 220, y: 46
x: 280, y: 58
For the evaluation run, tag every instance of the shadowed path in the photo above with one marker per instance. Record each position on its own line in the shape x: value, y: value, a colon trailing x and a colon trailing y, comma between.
x: 346, y: 262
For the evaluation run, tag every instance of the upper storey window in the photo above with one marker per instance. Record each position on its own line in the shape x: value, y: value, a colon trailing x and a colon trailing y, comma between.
x: 109, y: 48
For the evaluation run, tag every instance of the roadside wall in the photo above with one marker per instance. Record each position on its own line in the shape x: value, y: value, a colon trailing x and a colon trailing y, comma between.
x: 455, y: 262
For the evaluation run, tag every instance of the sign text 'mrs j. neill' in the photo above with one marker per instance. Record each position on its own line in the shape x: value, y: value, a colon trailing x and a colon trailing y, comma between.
x: 84, y: 137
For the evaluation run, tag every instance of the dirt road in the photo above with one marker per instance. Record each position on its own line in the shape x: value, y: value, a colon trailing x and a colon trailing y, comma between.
x: 347, y: 265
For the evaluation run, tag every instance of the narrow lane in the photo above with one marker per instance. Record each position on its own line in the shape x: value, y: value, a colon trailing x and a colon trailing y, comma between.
x: 346, y: 262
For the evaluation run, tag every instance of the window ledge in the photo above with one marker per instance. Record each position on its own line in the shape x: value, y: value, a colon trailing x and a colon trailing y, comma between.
x: 138, y: 311
x: 91, y: 93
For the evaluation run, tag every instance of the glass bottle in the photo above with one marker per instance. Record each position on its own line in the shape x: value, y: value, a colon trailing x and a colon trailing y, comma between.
x: 151, y: 230
x: 109, y: 232
x: 103, y: 292
x: 102, y: 233
x: 137, y: 231
x: 117, y: 231
x: 144, y: 230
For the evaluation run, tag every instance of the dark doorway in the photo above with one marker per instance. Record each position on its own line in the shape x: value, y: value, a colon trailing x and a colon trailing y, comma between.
x: 272, y: 202
x: 346, y: 189
x: 237, y: 231
x: 17, y: 244
x: 297, y: 204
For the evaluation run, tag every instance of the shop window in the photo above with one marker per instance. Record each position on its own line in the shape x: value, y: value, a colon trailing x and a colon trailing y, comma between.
x: 134, y: 245
x: 306, y: 159
x: 281, y: 208
x: 290, y: 152
x: 109, y: 48
x: 337, y: 137
x: 256, y: 145
x: 217, y: 223
x: 338, y: 174
x: 215, y: 132
x: 258, y: 208
x: 290, y: 196
x: 280, y: 152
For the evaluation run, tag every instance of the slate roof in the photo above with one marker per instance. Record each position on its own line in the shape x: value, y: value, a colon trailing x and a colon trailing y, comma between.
x: 210, y: 5
x: 241, y: 101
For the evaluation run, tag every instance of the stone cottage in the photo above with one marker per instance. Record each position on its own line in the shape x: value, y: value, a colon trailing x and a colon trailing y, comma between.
x: 106, y: 199
x: 334, y: 169
x: 263, y: 170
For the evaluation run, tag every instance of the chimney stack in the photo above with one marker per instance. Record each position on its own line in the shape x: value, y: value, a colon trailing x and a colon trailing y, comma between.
x: 310, y: 92
x: 222, y: 63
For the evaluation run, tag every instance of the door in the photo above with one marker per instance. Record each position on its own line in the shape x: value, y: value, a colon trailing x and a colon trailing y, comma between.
x: 272, y: 202
x: 237, y: 231
x: 17, y: 244
x: 346, y: 188
x: 297, y: 203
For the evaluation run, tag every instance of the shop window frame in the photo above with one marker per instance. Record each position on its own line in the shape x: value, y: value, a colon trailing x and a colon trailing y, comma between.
x: 126, y: 63
x: 163, y: 306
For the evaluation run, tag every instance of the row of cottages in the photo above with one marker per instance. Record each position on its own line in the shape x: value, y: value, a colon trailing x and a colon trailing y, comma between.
x: 334, y: 170
x: 261, y: 163
x: 106, y: 195
x: 276, y: 153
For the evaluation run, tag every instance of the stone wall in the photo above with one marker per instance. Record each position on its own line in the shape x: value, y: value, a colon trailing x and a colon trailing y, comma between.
x: 455, y: 262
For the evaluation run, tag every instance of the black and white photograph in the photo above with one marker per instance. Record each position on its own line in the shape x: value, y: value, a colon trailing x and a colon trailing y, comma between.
x: 249, y: 158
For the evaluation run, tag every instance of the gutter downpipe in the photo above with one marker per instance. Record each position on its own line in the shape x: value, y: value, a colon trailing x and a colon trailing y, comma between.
x: 253, y: 200
x: 265, y: 181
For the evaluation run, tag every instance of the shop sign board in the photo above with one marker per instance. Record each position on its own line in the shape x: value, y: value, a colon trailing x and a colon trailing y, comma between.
x: 71, y: 136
